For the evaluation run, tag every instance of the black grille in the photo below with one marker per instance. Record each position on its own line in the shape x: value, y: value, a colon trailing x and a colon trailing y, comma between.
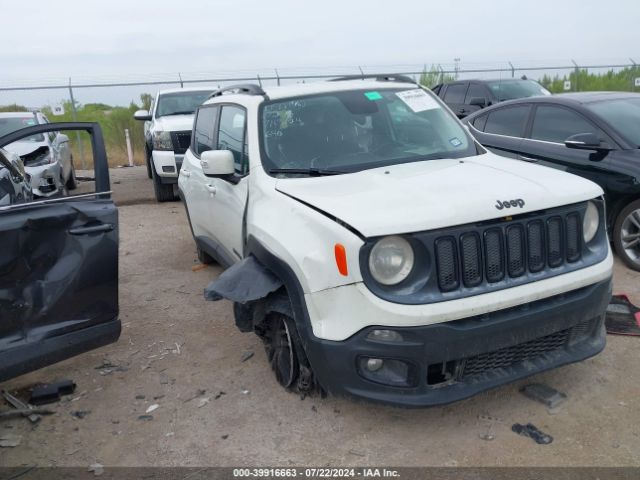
x: 471, y: 252
x: 181, y: 141
x: 511, y: 250
x: 535, y: 242
x: 508, y: 356
x: 494, y: 252
x: 447, y: 260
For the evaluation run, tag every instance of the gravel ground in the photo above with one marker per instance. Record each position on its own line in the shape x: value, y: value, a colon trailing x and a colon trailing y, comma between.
x: 184, y: 355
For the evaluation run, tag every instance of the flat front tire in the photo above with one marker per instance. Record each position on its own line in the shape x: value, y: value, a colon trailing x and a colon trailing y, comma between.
x: 626, y: 235
x: 148, y: 158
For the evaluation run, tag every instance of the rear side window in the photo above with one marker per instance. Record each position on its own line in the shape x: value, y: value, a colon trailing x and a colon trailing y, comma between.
x: 480, y: 122
x: 455, y: 93
x: 508, y: 121
x: 205, y: 126
x: 556, y: 124
x: 231, y: 135
x: 475, y: 91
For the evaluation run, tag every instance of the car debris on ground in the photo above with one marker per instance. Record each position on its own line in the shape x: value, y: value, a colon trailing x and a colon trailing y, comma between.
x: 544, y: 394
x: 531, y: 431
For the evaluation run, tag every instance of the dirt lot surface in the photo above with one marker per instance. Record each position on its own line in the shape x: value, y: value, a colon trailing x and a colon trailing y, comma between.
x: 184, y: 354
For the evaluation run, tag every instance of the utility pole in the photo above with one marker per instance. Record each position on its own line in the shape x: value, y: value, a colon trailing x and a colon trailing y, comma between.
x: 456, y: 67
x: 74, y: 114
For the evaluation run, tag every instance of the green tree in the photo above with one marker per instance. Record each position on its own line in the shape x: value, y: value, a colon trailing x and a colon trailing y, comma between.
x: 434, y: 76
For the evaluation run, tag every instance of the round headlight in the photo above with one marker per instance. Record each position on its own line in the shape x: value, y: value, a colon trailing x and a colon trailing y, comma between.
x: 391, y: 260
x: 590, y: 222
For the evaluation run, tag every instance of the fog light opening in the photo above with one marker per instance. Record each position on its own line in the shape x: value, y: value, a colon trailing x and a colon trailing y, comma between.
x: 387, y: 371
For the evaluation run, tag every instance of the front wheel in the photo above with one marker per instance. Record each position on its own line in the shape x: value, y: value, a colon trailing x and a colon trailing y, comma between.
x: 286, y: 355
x: 626, y: 235
x: 72, y: 182
x: 163, y: 191
x: 148, y: 158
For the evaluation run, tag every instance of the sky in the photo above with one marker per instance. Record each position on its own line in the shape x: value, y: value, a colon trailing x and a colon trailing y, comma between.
x: 44, y: 42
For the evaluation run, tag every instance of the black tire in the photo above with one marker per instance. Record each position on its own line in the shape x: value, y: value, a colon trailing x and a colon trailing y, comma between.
x: 626, y: 235
x: 163, y: 191
x: 203, y: 256
x: 148, y: 158
x: 286, y: 354
x: 72, y: 182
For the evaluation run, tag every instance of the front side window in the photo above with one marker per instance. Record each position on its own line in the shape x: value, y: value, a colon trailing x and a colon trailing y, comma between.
x: 556, y: 124
x: 355, y: 130
x: 205, y: 127
x: 623, y: 115
x: 508, y: 121
x: 231, y: 135
x: 455, y: 93
x: 180, y: 103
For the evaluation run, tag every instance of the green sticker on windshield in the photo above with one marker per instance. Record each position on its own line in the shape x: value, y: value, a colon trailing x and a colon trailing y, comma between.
x: 373, y: 95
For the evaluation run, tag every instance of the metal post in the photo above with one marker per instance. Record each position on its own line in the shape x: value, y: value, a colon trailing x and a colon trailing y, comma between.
x: 577, y: 70
x: 259, y: 81
x: 633, y: 73
x: 74, y: 114
x: 361, y: 72
x: 129, y: 150
x: 513, y: 70
x: 277, y: 76
x: 181, y: 82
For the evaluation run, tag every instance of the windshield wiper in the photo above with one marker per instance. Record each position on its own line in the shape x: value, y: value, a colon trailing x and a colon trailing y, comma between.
x: 177, y: 113
x: 312, y: 172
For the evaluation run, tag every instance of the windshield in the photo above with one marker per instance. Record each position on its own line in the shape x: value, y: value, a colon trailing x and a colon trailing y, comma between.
x: 354, y: 130
x: 180, y: 103
x: 511, y: 89
x: 623, y: 115
x: 11, y: 124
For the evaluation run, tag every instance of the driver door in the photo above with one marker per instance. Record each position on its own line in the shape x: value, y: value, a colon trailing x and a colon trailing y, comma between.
x: 58, y: 269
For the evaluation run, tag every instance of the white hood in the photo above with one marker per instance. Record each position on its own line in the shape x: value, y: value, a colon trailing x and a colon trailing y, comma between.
x: 24, y: 148
x: 437, y: 193
x: 173, y: 123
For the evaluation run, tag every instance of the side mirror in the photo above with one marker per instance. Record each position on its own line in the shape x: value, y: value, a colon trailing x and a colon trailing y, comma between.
x: 217, y: 163
x: 585, y: 141
x: 61, y: 138
x: 142, y: 115
x: 478, y: 102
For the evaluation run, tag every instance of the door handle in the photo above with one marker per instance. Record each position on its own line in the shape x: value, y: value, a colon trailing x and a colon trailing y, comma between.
x: 211, y: 189
x: 529, y: 159
x: 105, y: 227
x: 184, y: 172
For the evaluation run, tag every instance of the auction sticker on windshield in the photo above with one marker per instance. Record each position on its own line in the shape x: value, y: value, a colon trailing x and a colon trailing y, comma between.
x: 418, y: 100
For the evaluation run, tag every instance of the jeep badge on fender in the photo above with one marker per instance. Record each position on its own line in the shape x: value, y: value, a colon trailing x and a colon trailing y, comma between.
x: 518, y: 202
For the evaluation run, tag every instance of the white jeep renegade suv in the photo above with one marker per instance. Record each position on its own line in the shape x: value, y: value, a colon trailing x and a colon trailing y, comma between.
x: 380, y: 251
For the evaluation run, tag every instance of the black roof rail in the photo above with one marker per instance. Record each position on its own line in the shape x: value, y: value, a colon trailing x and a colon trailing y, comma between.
x: 245, y: 88
x: 378, y: 77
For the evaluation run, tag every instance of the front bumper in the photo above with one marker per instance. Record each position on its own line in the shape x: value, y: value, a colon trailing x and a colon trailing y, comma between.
x: 45, y: 180
x: 167, y: 165
x: 473, y: 354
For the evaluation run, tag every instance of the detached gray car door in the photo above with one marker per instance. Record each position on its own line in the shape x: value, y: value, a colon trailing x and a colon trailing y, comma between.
x: 59, y: 266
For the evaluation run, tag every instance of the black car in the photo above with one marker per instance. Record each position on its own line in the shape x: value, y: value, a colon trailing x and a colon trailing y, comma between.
x: 58, y: 268
x: 14, y: 184
x: 595, y: 135
x: 465, y: 97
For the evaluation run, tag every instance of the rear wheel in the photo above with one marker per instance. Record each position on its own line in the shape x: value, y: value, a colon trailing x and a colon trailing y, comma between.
x: 72, y: 182
x: 163, y: 191
x: 626, y: 235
